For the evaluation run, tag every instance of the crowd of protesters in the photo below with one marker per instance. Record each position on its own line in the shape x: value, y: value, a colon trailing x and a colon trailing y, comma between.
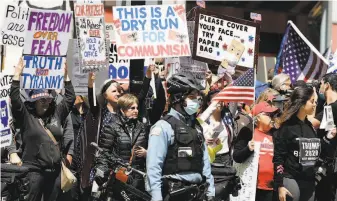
x: 284, y: 118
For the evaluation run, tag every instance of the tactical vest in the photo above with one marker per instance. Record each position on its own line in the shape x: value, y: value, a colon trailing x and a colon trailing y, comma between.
x: 185, y: 138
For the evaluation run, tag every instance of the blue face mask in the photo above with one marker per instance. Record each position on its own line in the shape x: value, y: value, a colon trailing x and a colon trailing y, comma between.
x: 192, y: 106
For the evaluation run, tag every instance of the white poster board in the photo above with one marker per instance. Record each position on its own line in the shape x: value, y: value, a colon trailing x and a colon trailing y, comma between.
x: 153, y: 31
x: 91, y: 34
x: 78, y: 79
x: 43, y: 72
x: 48, y: 32
x: 13, y: 30
x: 248, y: 171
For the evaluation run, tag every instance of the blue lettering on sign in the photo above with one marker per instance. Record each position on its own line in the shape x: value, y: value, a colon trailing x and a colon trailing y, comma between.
x: 121, y: 73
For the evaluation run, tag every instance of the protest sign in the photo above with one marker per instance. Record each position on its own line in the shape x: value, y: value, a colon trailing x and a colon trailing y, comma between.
x: 151, y: 31
x: 91, y: 36
x: 225, y: 40
x: 247, y: 171
x: 187, y: 64
x: 110, y: 32
x: 13, y: 31
x: 48, y: 32
x: 119, y: 69
x: 42, y: 72
x: 6, y: 134
x: 78, y: 79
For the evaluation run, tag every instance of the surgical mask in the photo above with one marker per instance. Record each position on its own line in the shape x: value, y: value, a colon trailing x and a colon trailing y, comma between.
x: 192, y: 106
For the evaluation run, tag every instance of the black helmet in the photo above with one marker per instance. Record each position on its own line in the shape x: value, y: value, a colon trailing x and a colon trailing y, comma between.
x: 182, y: 83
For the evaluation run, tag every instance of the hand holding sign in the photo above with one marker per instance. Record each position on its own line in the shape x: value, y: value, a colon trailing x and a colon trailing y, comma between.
x: 149, y: 71
x: 91, y: 79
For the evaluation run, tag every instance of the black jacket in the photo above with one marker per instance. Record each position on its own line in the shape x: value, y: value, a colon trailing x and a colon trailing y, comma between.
x: 37, y: 147
x: 116, y: 139
x: 92, y: 126
x: 286, y: 149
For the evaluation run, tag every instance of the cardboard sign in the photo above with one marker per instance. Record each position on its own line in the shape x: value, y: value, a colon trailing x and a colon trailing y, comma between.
x: 151, y: 31
x: 247, y: 171
x: 188, y: 65
x: 91, y: 36
x: 43, y: 72
x: 48, y: 32
x: 225, y: 40
x: 78, y: 79
x: 6, y: 133
x: 14, y: 26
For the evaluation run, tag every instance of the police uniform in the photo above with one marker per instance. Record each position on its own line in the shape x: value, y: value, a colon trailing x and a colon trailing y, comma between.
x: 177, y: 151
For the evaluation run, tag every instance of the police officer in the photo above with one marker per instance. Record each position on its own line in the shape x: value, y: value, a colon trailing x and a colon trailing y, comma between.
x: 177, y: 157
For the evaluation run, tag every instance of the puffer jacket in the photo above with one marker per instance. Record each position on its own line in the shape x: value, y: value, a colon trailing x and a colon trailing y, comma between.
x: 117, y: 138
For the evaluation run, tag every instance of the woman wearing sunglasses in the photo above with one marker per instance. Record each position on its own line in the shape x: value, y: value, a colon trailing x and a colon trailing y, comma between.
x: 37, y: 117
x: 127, y: 140
x: 297, y: 148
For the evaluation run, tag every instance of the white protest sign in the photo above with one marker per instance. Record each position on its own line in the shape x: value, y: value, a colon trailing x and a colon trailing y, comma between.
x: 78, y: 79
x: 13, y: 30
x: 43, y: 72
x: 225, y: 40
x: 247, y: 171
x: 110, y: 32
x: 91, y: 36
x: 151, y: 31
x: 6, y: 117
x: 48, y: 32
x: 327, y: 122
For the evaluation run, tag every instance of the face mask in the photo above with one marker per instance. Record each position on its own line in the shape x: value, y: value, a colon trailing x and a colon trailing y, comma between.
x: 192, y: 106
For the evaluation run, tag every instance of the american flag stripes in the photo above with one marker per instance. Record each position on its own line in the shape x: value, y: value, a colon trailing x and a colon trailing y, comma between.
x: 299, y: 58
x: 242, y: 89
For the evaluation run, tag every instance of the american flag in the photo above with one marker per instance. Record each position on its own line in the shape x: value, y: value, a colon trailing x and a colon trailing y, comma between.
x: 242, y: 89
x: 332, y: 62
x: 299, y: 58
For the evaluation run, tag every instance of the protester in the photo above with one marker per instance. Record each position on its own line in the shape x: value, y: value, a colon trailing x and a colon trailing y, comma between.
x: 124, y: 137
x: 36, y: 118
x: 216, y: 128
x: 326, y: 188
x: 263, y: 114
x: 294, y: 174
x: 176, y: 148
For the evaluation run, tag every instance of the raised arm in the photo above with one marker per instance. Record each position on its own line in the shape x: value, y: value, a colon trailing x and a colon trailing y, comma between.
x: 18, y: 107
x: 63, y: 109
